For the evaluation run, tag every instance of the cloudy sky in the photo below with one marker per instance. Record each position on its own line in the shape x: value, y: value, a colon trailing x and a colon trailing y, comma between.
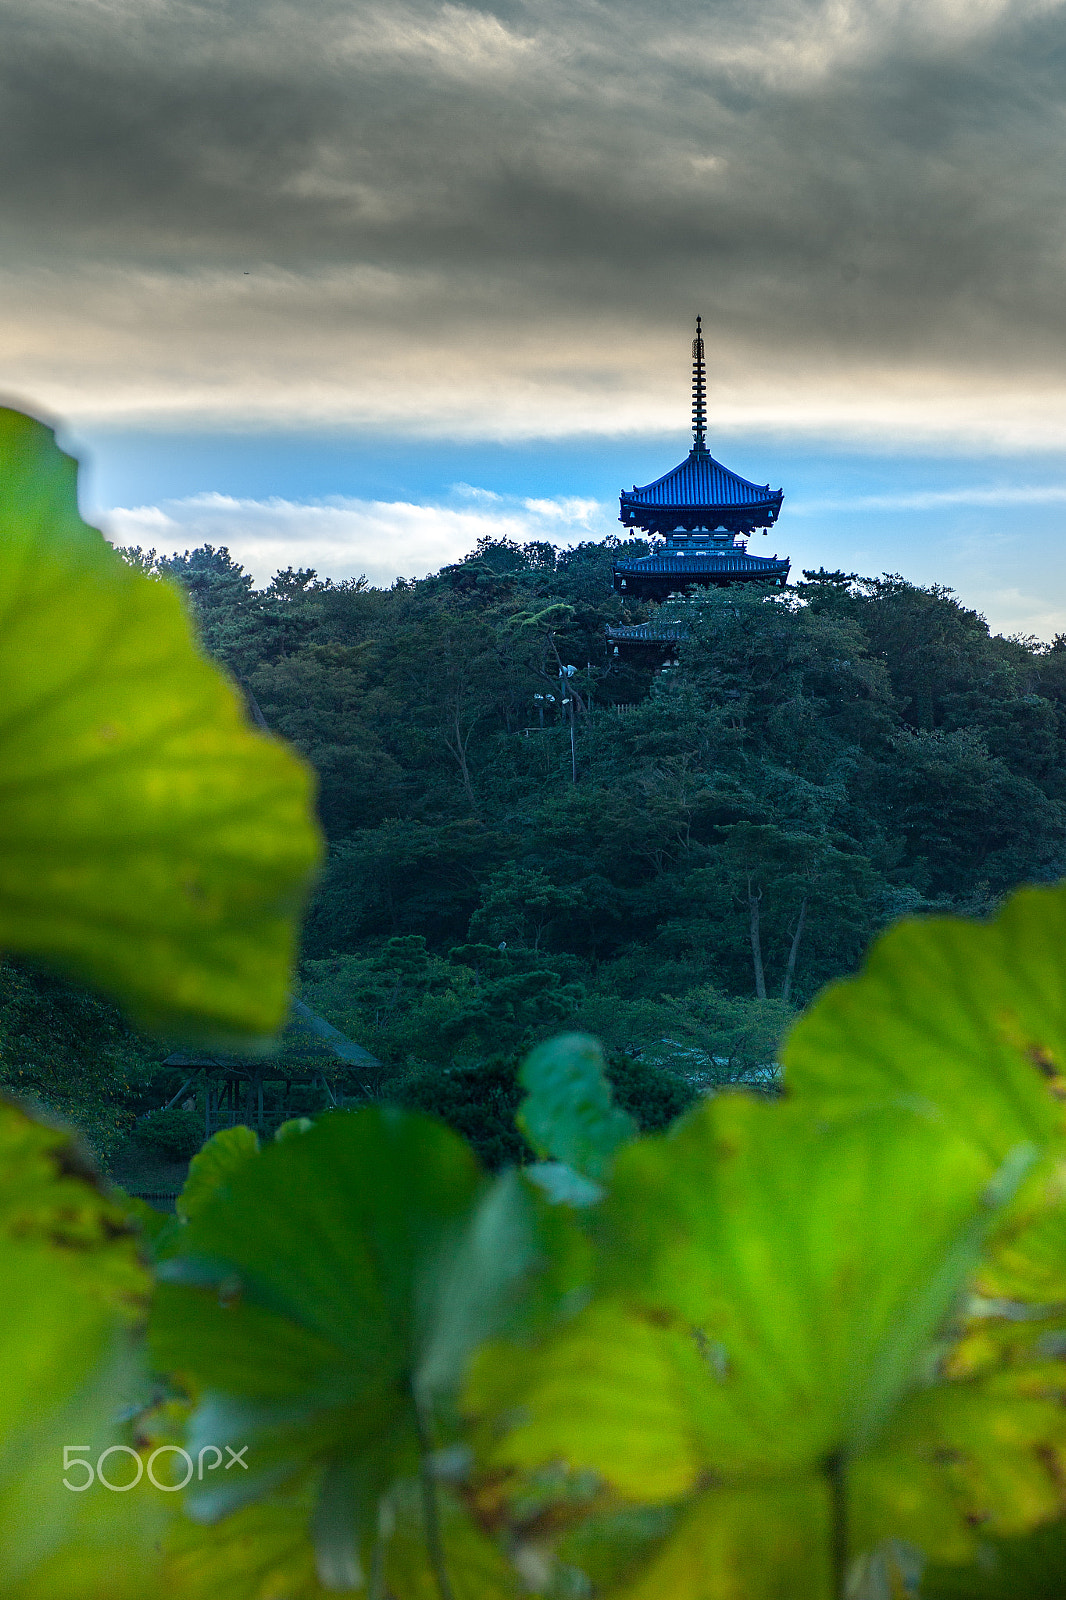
x: 349, y: 284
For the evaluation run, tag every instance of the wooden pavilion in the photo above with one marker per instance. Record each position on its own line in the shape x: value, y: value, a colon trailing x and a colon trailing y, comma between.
x: 311, y: 1054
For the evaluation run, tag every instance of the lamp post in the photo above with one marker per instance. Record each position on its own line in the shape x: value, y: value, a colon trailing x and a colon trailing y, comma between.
x: 565, y: 674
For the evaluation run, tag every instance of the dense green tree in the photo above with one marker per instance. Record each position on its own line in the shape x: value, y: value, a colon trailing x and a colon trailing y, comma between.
x: 523, y: 905
x: 72, y: 1053
x: 673, y: 858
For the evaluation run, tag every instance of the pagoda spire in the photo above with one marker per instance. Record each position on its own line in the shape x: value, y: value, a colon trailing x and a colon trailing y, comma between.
x: 699, y: 393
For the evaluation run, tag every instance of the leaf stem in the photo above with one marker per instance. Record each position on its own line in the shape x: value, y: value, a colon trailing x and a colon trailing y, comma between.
x: 376, y: 1586
x: 431, y: 1508
x: 835, y: 1469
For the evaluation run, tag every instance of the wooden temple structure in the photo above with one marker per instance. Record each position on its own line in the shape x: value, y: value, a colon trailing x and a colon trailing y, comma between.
x: 312, y: 1055
x: 704, y: 514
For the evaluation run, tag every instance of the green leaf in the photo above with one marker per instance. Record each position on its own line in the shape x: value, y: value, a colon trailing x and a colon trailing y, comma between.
x: 744, y: 1544
x: 346, y: 1518
x: 770, y: 1287
x: 265, y: 1550
x: 223, y: 1155
x: 262, y: 1550
x: 474, y: 1567
x: 1028, y: 1568
x: 568, y: 1114
x: 151, y: 843
x: 610, y: 1547
x: 293, y: 1127
x: 73, y: 1291
x: 611, y: 1391
x: 318, y: 1301
x: 968, y: 1020
x: 963, y: 1460
x: 478, y: 1280
x: 820, y: 1258
x: 53, y: 1199
x: 563, y: 1186
x: 965, y: 1018
x: 1027, y: 1255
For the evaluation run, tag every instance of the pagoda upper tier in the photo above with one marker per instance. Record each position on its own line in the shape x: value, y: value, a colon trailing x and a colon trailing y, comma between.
x: 700, y: 496
x: 704, y: 513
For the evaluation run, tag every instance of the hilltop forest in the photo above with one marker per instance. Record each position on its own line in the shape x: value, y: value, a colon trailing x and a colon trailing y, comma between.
x: 673, y: 860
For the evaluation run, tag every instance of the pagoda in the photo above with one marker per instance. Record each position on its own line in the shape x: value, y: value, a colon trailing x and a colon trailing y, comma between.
x: 704, y: 513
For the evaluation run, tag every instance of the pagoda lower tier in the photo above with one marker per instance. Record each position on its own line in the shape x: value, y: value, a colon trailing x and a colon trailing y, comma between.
x: 649, y: 643
x: 685, y: 564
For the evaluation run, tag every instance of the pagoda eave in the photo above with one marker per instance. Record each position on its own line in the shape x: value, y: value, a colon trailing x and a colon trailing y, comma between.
x: 690, y: 519
x: 659, y: 576
x: 646, y: 641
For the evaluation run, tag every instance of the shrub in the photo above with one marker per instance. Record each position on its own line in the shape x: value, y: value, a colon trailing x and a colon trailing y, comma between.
x: 479, y: 1100
x: 178, y: 1134
x: 652, y: 1097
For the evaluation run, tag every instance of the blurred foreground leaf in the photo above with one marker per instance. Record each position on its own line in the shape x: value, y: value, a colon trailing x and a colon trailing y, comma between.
x: 770, y: 1290
x: 318, y: 1302
x: 151, y: 843
x: 568, y: 1113
x: 1029, y: 1568
x: 263, y: 1550
x: 967, y: 1019
x: 223, y: 1155
x: 73, y: 1293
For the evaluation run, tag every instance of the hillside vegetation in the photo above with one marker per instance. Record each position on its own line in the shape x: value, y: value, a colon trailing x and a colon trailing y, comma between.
x: 740, y: 827
x: 818, y: 764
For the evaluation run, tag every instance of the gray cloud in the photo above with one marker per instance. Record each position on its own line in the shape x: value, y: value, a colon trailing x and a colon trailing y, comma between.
x: 866, y: 198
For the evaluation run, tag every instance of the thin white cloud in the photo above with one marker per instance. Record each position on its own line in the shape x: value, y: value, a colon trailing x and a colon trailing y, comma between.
x: 991, y: 495
x: 568, y: 510
x: 793, y: 44
x: 1010, y: 610
x: 453, y: 39
x: 343, y: 538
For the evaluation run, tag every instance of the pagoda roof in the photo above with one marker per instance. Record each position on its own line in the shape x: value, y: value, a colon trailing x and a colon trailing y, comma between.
x: 647, y: 633
x: 700, y: 491
x: 704, y: 559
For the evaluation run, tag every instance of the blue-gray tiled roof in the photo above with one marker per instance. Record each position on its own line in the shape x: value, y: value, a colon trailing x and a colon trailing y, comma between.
x: 700, y: 483
x: 704, y: 560
x: 648, y: 632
